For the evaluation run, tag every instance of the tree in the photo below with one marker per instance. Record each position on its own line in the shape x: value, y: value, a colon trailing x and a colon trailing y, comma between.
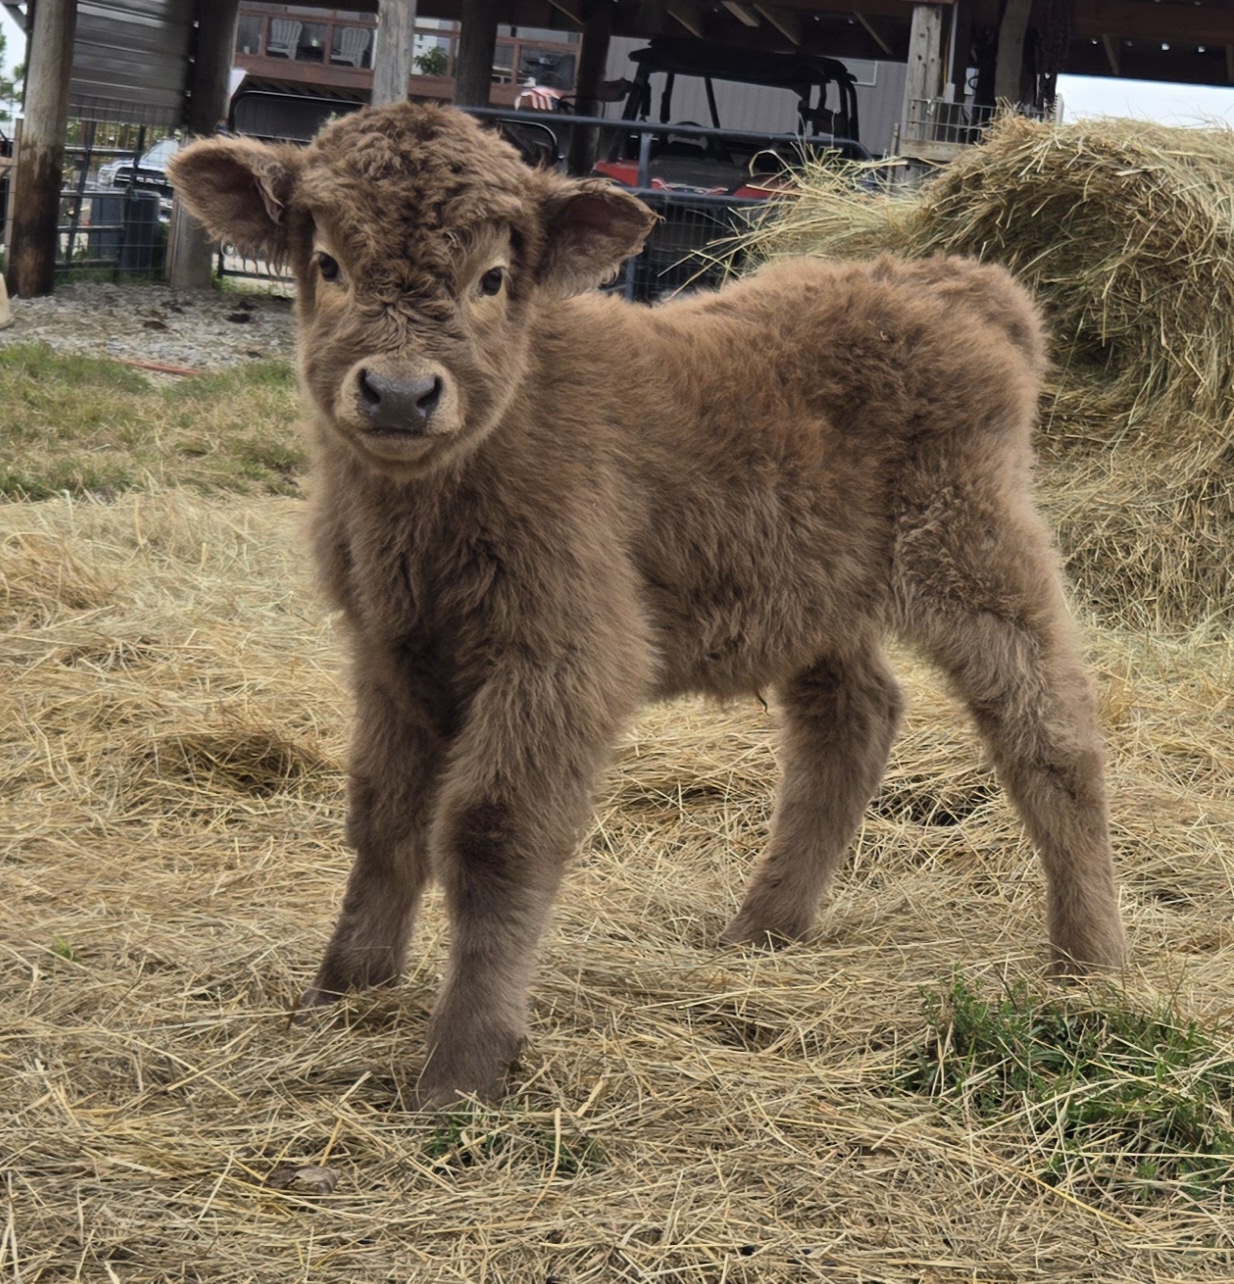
x: 432, y: 62
x: 10, y: 87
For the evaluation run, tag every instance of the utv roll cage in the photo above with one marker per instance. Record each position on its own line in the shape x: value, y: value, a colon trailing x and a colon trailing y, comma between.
x: 809, y: 76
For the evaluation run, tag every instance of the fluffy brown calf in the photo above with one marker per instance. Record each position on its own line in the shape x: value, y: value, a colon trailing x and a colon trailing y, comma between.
x: 539, y: 507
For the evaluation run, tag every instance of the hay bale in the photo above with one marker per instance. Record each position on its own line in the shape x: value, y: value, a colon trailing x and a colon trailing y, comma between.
x: 1125, y: 230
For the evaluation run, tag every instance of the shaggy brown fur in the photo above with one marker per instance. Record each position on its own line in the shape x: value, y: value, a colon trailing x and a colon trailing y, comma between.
x: 539, y: 507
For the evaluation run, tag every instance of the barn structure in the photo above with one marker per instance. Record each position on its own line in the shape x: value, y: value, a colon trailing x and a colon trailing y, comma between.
x: 173, y: 59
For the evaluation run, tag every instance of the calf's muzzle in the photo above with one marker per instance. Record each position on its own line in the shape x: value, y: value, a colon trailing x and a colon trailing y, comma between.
x: 396, y: 403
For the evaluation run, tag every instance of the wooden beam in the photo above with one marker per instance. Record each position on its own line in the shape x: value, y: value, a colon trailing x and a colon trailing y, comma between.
x: 1009, y: 70
x: 925, y: 54
x: 650, y: 18
x: 744, y: 14
x: 689, y: 15
x: 854, y: 8
x: 477, y: 42
x: 40, y: 162
x: 1110, y: 44
x: 394, y: 51
x: 878, y: 40
x: 787, y: 23
x: 1145, y: 61
x: 592, y: 60
x: 190, y: 264
x: 1134, y: 20
x: 572, y: 9
x: 960, y: 47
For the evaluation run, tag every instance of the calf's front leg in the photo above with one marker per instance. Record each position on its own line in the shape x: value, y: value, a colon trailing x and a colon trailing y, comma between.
x: 512, y: 810
x: 395, y: 761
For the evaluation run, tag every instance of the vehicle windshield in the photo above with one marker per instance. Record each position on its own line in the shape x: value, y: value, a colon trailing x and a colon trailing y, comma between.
x: 161, y: 152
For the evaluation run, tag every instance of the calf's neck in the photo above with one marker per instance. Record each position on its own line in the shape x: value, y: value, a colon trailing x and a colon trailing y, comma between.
x: 539, y: 507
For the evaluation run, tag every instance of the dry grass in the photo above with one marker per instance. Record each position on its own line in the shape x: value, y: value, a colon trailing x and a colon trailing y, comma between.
x: 1125, y: 230
x: 170, y: 806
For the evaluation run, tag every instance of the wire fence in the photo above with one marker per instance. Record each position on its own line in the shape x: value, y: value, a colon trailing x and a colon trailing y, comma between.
x: 701, y: 181
x: 937, y: 130
x: 115, y: 199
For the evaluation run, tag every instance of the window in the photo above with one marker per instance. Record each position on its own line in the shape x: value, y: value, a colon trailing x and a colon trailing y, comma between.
x: 311, y: 46
x: 352, y: 46
x: 864, y: 69
x: 248, y: 34
x: 549, y: 67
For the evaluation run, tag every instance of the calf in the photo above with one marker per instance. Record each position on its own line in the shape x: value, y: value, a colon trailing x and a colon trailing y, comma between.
x: 539, y: 507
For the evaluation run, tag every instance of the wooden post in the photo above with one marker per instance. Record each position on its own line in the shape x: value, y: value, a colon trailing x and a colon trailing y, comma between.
x: 925, y: 63
x: 961, y: 46
x: 1009, y: 71
x: 477, y: 42
x: 592, y: 61
x: 190, y: 263
x: 394, y: 51
x: 40, y: 162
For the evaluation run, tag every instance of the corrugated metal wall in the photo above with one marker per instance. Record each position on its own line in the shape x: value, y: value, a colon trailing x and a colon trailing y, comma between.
x: 758, y: 108
x: 131, y: 60
x: 881, y: 106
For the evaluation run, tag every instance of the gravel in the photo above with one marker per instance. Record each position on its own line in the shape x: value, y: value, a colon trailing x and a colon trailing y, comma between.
x: 155, y: 325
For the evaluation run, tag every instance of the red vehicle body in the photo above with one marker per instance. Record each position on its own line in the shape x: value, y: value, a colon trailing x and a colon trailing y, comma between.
x: 696, y: 176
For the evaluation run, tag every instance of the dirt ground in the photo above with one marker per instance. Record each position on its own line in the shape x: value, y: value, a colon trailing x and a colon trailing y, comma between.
x: 154, y: 325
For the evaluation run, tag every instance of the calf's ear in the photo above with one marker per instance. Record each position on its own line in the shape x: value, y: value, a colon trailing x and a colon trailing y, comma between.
x: 591, y: 228
x: 238, y: 188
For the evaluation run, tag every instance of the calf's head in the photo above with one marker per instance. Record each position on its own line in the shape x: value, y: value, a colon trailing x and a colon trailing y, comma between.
x: 422, y: 249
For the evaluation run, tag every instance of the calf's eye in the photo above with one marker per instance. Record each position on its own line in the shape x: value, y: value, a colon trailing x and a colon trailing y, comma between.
x: 490, y: 282
x: 327, y: 266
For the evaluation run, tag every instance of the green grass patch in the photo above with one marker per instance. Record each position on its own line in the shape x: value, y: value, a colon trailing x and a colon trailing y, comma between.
x: 1114, y: 1100
x: 88, y: 425
x: 475, y: 1136
x: 63, y: 950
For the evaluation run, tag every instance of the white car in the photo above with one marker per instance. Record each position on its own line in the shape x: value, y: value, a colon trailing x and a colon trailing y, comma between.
x: 151, y: 168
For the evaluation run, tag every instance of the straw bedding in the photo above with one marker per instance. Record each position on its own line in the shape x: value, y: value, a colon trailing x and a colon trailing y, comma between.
x: 1125, y: 230
x: 171, y: 797
x: 172, y: 790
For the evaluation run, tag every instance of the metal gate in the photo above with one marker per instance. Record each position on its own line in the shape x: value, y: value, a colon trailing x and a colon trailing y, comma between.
x: 664, y: 166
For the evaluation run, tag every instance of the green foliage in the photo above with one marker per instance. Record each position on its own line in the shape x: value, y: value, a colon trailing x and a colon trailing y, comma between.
x: 472, y: 1136
x: 63, y: 950
x: 90, y: 425
x: 432, y: 62
x: 10, y: 85
x: 1115, y: 1100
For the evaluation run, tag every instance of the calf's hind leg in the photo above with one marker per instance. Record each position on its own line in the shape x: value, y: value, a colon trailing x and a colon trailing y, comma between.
x: 840, y: 718
x: 1001, y: 632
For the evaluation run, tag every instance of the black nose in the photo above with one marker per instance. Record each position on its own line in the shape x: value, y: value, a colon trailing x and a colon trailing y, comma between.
x: 399, y: 405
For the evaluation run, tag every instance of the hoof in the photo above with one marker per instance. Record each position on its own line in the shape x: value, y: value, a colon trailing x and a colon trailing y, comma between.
x: 1063, y: 968
x: 308, y: 1002
x: 447, y: 1079
x: 742, y: 932
x: 432, y: 1100
x: 431, y: 1095
x: 1099, y: 952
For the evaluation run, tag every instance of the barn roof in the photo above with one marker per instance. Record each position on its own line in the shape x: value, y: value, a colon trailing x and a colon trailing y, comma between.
x: 138, y: 52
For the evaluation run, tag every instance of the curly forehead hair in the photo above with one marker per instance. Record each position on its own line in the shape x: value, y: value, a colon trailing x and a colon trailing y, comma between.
x: 386, y: 178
